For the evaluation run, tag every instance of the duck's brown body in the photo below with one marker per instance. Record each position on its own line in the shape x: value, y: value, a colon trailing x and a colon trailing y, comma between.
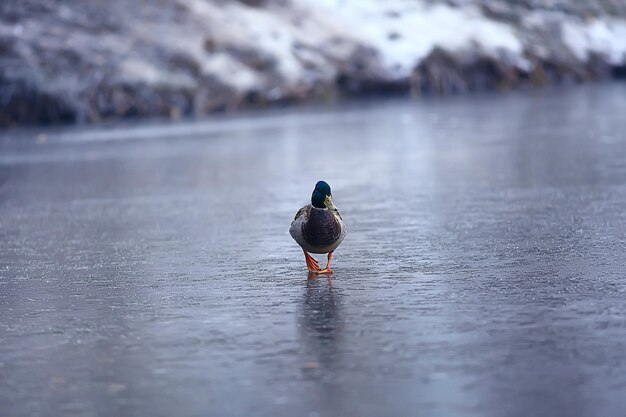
x: 317, y: 230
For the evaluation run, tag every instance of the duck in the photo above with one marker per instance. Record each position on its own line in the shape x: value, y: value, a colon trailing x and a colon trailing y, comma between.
x: 318, y: 228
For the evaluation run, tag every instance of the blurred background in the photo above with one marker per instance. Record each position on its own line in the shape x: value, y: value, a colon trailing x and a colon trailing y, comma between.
x: 154, y: 153
x: 77, y: 61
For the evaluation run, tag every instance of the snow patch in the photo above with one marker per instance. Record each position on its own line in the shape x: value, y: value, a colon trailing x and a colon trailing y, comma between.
x: 405, y: 32
x: 605, y: 37
x: 134, y: 70
x: 308, y: 39
x: 231, y: 72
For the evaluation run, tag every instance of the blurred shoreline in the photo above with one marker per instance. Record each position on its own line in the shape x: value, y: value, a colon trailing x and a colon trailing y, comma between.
x: 87, y: 62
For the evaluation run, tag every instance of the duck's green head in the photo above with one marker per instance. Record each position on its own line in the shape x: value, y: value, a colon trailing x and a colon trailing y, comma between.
x: 322, y: 197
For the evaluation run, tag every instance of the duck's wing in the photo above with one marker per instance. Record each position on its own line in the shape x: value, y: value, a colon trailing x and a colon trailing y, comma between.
x: 303, y: 212
x: 295, y: 230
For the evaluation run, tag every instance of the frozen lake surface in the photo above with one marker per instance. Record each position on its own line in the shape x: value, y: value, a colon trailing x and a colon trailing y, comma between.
x: 148, y: 271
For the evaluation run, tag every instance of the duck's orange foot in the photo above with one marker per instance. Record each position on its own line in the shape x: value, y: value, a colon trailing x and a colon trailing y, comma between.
x: 312, y: 265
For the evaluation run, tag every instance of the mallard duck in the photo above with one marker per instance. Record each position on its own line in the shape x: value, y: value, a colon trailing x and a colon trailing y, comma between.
x: 318, y: 228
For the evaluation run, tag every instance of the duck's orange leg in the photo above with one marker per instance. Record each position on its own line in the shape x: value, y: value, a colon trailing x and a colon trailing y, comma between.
x: 311, y: 263
x: 327, y: 270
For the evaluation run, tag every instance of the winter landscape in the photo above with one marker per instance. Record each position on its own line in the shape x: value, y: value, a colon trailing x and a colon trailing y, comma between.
x: 155, y: 155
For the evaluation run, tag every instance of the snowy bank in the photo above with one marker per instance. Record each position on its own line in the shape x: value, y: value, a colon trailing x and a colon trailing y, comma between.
x: 89, y: 61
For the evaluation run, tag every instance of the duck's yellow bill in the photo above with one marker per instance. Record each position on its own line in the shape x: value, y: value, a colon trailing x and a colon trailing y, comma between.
x: 328, y: 202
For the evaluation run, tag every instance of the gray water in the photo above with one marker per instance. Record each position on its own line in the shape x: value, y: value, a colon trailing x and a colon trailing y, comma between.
x: 148, y: 271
